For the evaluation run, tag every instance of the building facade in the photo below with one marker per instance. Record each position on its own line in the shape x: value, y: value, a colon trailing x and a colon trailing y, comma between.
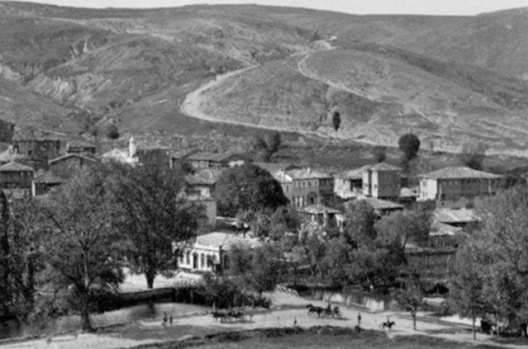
x: 42, y: 185
x: 68, y: 165
x: 14, y: 175
x: 382, y: 181
x: 306, y: 187
x: 212, y: 253
x: 451, y: 185
x: 202, y: 160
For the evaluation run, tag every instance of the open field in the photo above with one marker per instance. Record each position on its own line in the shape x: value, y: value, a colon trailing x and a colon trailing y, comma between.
x: 330, y: 338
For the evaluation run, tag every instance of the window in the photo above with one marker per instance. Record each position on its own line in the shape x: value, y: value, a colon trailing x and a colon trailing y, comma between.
x: 202, y: 260
x: 226, y: 262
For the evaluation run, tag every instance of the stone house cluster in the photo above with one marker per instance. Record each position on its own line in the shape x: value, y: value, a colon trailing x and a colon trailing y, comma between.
x: 39, y: 162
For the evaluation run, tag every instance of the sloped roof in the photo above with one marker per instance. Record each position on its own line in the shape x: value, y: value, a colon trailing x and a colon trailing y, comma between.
x: 15, y: 167
x: 48, y: 178
x: 307, y: 173
x: 451, y: 216
x: 216, y: 157
x: 354, y: 174
x: 208, y: 176
x: 319, y: 209
x: 79, y: 143
x: 459, y: 173
x: 82, y: 156
x: 441, y: 229
x: 378, y: 204
x: 227, y: 240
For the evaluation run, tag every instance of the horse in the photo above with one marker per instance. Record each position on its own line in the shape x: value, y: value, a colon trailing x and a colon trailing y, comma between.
x: 314, y: 310
x: 222, y: 315
x: 387, y: 324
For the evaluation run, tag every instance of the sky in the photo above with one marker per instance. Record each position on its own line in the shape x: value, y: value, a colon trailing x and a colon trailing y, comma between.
x: 431, y: 7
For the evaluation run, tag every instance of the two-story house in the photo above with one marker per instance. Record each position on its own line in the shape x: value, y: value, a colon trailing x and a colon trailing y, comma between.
x: 382, y: 181
x: 14, y: 175
x: 452, y: 185
x: 68, y: 165
x: 305, y: 187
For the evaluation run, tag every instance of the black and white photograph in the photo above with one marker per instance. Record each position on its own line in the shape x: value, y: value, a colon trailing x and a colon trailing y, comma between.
x: 266, y: 174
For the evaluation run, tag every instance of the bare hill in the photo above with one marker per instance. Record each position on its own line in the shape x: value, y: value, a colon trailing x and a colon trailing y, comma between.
x: 449, y: 79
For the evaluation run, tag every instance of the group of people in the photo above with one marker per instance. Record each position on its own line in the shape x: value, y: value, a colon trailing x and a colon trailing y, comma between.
x: 167, y: 319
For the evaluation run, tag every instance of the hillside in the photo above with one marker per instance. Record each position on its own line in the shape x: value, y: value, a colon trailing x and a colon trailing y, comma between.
x: 451, y: 80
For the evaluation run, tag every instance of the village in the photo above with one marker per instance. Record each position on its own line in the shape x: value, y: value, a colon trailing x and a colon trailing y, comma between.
x: 429, y: 217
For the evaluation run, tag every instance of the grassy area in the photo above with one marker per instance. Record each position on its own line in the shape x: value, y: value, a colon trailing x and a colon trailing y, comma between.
x: 318, y: 337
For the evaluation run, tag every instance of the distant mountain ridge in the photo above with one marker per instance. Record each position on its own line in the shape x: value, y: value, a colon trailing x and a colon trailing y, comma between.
x: 451, y: 80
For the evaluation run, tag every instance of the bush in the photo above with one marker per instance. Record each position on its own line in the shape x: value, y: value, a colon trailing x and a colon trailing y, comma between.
x: 112, y: 132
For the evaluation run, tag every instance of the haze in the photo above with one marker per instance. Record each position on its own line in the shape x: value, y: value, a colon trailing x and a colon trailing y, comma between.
x: 431, y: 7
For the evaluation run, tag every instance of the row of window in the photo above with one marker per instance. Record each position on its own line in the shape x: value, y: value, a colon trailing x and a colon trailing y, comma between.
x: 202, y: 260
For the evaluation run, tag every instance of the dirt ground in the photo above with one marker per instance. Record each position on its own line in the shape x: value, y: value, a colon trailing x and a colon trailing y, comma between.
x: 288, y: 310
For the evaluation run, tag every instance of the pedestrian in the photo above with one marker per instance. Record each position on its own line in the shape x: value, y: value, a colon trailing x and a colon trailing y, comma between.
x: 165, y: 318
x: 170, y: 320
x: 359, y: 319
x: 295, y: 321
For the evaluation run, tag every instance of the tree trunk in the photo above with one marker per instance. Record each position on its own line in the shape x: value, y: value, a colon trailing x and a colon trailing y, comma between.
x: 86, y: 325
x: 150, y: 275
x: 414, y: 321
x: 474, y: 329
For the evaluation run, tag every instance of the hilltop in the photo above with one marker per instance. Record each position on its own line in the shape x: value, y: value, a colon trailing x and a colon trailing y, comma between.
x: 450, y: 80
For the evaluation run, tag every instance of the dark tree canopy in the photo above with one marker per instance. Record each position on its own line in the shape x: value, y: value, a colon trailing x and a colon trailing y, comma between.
x: 409, y: 144
x: 473, y: 155
x: 336, y: 120
x: 154, y: 216
x: 248, y: 187
x: 112, y: 132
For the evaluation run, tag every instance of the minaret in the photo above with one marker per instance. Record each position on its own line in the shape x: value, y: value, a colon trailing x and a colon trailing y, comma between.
x: 132, y: 148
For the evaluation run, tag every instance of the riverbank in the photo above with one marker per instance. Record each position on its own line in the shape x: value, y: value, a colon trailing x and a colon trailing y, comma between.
x: 289, y: 310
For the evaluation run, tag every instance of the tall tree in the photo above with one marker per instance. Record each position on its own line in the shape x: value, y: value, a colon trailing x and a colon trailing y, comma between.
x: 473, y: 155
x: 156, y: 217
x: 409, y: 226
x: 248, y: 187
x: 466, y: 291
x: 4, y: 252
x: 336, y: 120
x: 409, y: 144
x: 83, y: 248
x: 502, y: 246
x: 411, y: 298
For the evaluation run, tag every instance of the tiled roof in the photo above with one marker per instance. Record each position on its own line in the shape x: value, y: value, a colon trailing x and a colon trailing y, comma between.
x: 48, y: 178
x: 459, y: 173
x: 216, y: 157
x: 208, y: 176
x: 450, y: 216
x: 307, y: 173
x: 356, y: 173
x: 227, y: 240
x: 78, y: 143
x: 88, y: 157
x: 318, y: 209
x: 378, y: 204
x: 15, y: 167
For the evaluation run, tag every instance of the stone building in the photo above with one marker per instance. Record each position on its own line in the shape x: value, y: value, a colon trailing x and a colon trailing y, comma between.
x: 212, y: 252
x: 306, y: 187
